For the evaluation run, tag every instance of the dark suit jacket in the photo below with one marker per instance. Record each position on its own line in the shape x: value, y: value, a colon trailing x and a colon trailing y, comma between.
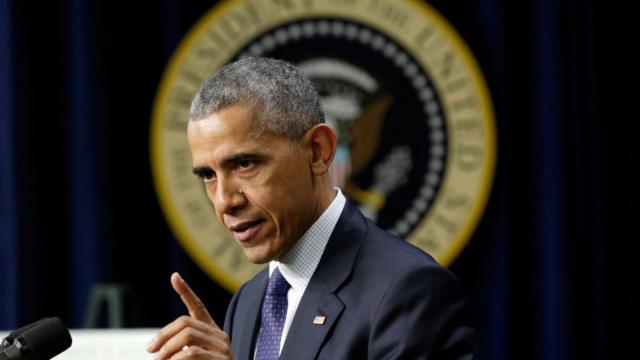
x: 382, y: 297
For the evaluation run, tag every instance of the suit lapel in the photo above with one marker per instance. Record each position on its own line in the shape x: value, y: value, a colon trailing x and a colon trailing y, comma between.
x: 252, y: 323
x: 305, y: 336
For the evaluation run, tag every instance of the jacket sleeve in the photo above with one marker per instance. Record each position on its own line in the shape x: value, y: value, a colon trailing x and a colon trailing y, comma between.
x: 422, y: 315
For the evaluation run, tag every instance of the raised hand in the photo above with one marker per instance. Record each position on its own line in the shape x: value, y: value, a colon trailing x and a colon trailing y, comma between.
x: 196, y: 336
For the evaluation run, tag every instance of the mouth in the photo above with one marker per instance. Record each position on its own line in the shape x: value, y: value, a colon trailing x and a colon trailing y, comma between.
x: 243, y: 231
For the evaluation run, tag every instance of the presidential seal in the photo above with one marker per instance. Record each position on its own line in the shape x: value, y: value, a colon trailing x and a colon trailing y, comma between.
x: 409, y: 104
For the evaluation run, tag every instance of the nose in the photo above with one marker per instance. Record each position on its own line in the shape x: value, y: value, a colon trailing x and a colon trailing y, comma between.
x: 229, y: 197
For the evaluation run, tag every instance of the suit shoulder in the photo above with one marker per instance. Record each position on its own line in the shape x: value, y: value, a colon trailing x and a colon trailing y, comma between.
x: 386, y: 260
x: 385, y: 247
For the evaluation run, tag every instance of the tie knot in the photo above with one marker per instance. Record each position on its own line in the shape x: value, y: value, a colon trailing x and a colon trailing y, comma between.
x: 278, y: 285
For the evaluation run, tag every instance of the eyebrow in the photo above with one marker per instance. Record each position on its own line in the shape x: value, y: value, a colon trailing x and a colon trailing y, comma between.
x: 230, y: 160
x: 201, y: 170
x: 235, y: 158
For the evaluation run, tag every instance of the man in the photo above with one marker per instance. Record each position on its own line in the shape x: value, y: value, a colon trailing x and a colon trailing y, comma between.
x: 337, y: 286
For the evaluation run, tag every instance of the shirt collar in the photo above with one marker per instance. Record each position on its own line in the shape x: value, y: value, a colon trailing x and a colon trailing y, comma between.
x: 301, y: 261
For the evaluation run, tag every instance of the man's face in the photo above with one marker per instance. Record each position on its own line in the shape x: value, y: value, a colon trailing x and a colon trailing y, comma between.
x: 259, y: 183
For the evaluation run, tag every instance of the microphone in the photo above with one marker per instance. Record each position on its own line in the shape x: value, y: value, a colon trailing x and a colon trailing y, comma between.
x: 8, y: 341
x: 44, y: 340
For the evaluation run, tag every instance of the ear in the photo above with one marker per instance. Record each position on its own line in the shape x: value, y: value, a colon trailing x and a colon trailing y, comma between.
x: 321, y: 141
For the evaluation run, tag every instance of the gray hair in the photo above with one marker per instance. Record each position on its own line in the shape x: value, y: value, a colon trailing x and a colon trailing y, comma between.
x: 284, y: 101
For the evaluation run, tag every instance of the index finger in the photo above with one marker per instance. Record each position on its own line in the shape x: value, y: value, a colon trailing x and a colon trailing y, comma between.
x: 196, y: 308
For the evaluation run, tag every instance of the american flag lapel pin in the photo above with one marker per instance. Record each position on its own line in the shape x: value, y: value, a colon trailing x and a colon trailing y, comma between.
x: 319, y: 320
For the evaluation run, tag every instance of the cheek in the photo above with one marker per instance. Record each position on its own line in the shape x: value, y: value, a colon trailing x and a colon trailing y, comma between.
x: 210, y: 196
x: 283, y: 193
x: 274, y: 203
x: 294, y: 208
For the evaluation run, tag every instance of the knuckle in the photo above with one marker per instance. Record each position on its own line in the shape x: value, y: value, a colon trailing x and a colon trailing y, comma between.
x: 225, y: 348
x: 200, y: 304
x: 193, y: 351
x: 190, y: 334
x: 225, y: 337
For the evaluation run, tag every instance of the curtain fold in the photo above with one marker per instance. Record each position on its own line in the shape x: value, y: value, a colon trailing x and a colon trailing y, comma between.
x: 85, y: 166
x: 9, y: 202
x: 551, y: 188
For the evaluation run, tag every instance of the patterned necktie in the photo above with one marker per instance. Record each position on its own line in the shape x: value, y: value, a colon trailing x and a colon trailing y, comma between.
x: 274, y: 311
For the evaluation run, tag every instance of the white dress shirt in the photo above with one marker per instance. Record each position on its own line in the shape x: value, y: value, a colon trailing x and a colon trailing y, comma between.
x: 301, y: 261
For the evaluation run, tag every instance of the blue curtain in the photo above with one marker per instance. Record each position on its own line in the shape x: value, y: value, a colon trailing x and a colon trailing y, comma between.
x: 551, y: 210
x: 9, y: 213
x: 497, y: 306
x: 85, y: 170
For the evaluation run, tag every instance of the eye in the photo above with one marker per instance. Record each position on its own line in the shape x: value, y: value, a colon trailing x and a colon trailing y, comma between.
x: 208, y: 175
x: 245, y: 164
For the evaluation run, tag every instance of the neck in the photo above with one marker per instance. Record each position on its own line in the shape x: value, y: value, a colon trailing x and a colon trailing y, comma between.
x: 326, y: 194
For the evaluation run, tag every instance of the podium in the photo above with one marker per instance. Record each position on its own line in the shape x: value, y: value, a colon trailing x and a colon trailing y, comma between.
x: 107, y: 344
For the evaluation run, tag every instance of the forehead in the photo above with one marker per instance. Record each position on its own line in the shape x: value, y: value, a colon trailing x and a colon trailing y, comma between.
x: 227, y: 132
x: 235, y: 119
